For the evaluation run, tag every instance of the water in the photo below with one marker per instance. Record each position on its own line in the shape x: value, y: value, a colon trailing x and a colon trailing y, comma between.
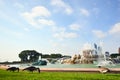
x: 69, y: 66
x: 65, y: 66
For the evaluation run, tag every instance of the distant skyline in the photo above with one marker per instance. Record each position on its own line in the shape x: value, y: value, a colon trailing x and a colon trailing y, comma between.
x: 58, y: 26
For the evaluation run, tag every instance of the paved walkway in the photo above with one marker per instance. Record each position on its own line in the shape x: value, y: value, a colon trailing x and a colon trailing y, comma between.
x: 112, y: 70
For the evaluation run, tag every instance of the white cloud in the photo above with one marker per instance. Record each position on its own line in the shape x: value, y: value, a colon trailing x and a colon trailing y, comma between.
x: 29, y: 18
x: 75, y: 27
x: 57, y: 44
x: 46, y: 22
x: 84, y: 12
x: 99, y: 33
x: 115, y: 29
x: 38, y: 16
x: 87, y: 46
x: 61, y: 5
x: 62, y: 34
x: 38, y: 11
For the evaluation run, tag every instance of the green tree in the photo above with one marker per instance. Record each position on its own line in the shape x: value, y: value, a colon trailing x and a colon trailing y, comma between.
x: 55, y: 55
x: 114, y: 55
x: 46, y: 56
x: 29, y: 56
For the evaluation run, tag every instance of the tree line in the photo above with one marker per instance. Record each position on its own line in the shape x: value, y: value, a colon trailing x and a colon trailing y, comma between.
x: 29, y: 56
x: 33, y: 56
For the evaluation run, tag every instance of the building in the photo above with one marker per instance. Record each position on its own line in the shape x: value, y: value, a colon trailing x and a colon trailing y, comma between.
x: 119, y: 50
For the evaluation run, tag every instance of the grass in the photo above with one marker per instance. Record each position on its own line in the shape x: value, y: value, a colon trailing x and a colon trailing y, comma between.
x: 6, y: 75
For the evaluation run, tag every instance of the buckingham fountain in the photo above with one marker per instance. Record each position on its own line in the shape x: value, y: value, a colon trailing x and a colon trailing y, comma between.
x: 90, y: 56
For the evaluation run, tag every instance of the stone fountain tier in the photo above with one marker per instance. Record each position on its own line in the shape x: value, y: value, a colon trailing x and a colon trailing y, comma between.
x: 78, y: 59
x: 88, y: 57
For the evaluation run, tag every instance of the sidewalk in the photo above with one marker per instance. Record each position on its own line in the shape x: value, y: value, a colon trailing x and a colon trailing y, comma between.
x: 112, y: 70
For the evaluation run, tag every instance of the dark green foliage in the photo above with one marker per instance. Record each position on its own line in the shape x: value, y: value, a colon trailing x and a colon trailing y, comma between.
x: 45, y: 56
x: 53, y: 55
x: 114, y: 55
x: 29, y: 56
x: 56, y: 55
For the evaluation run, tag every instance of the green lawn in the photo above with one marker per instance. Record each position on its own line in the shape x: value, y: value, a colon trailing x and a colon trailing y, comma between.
x: 6, y: 75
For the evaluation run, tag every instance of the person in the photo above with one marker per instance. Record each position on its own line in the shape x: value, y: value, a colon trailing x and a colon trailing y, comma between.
x: 103, y: 69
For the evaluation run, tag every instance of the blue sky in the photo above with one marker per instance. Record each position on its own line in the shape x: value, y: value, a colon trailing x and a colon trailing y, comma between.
x: 58, y: 26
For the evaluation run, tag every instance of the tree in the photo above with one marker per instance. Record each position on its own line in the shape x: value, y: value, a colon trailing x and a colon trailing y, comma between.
x: 56, y: 55
x: 29, y: 56
x: 114, y: 55
x: 46, y: 56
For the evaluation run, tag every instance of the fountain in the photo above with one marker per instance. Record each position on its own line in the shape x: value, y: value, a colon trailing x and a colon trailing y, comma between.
x: 102, y: 60
x: 90, y: 56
